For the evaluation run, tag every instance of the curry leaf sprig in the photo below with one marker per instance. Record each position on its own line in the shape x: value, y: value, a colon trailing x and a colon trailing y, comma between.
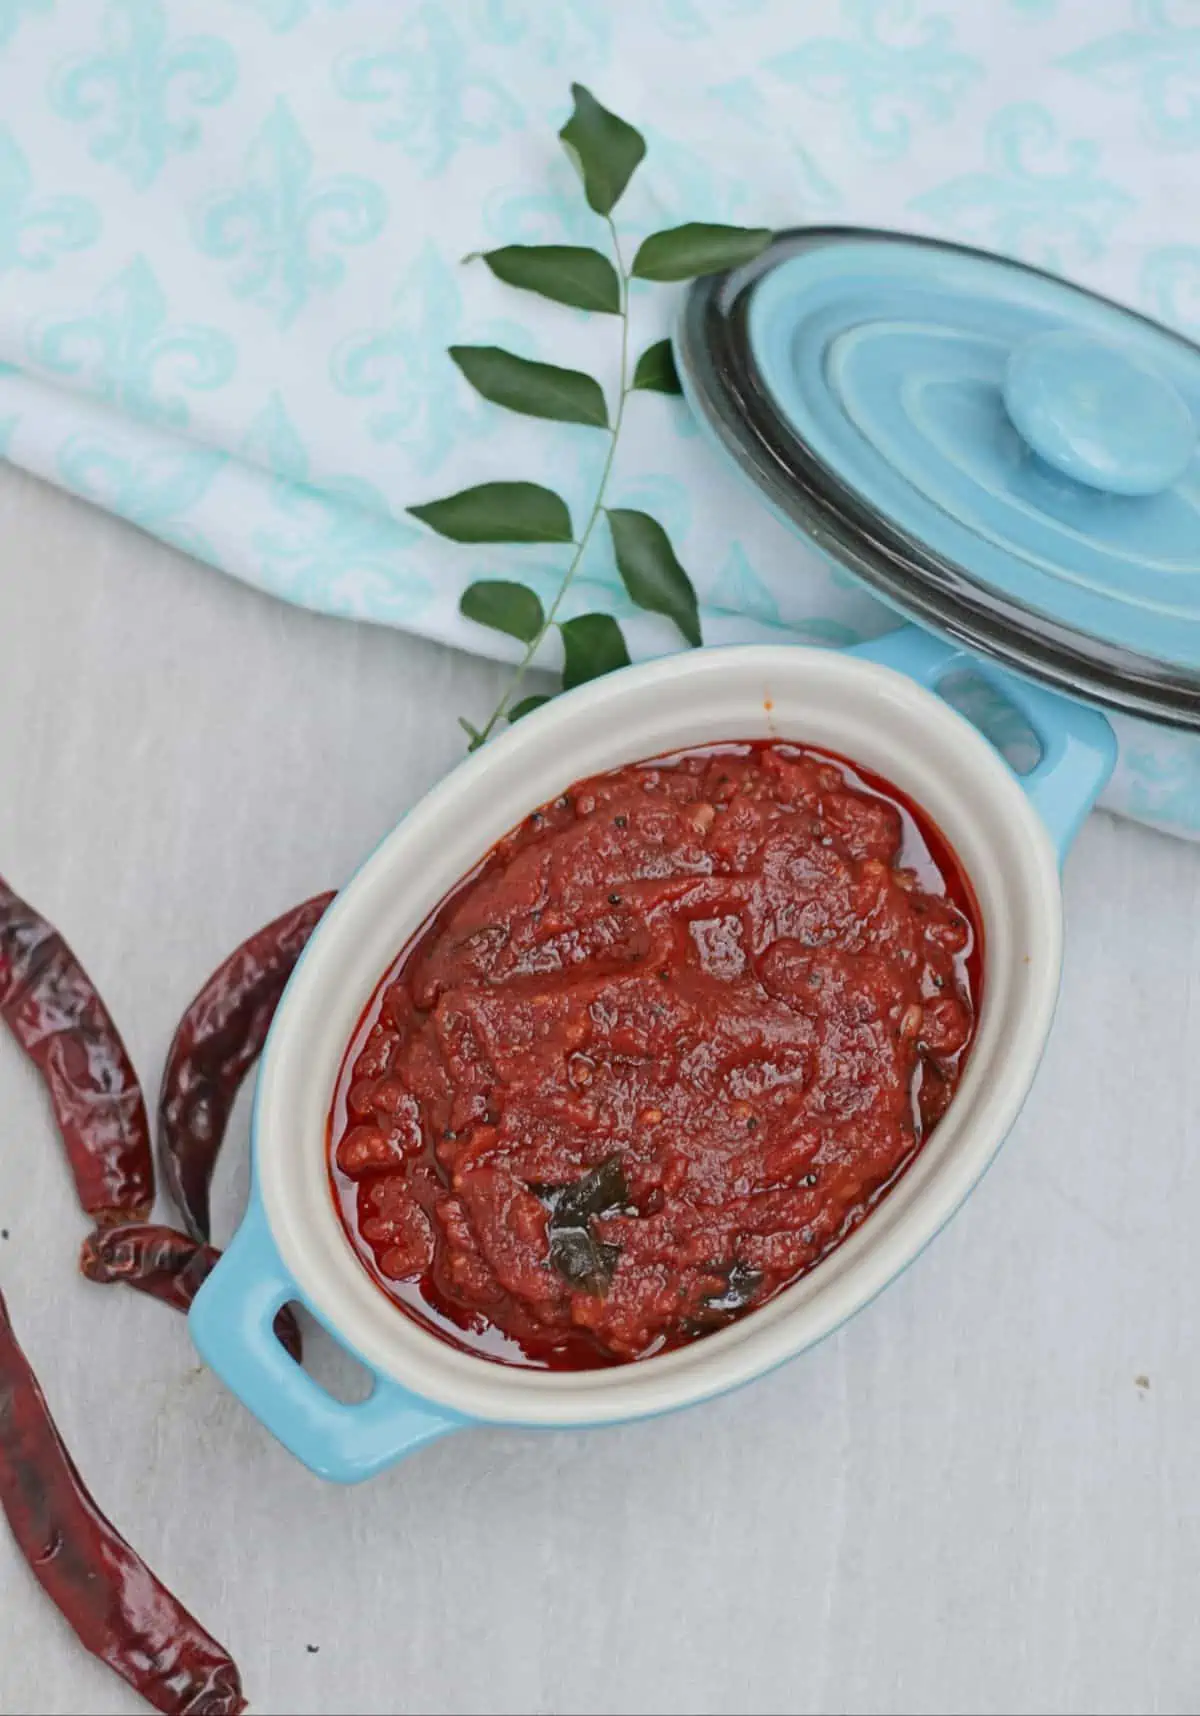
x: 606, y: 152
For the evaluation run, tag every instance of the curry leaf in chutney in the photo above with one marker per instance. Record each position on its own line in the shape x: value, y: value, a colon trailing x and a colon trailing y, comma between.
x: 581, y: 1259
x: 575, y: 1252
x: 741, y: 1284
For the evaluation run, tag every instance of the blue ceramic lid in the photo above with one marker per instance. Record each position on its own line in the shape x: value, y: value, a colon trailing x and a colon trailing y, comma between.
x: 1002, y: 455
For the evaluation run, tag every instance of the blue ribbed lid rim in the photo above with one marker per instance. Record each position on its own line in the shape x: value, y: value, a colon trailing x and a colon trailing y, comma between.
x: 732, y: 402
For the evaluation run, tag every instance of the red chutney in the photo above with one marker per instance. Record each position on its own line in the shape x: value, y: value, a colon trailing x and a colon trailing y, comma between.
x: 658, y: 1055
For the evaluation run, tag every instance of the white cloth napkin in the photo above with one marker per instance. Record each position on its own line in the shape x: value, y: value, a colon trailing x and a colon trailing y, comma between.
x: 231, y: 235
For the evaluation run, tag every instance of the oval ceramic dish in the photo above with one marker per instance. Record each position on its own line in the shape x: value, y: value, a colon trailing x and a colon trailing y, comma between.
x: 877, y: 707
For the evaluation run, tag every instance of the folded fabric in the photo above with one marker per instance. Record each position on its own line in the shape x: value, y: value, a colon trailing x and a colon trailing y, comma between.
x: 231, y: 262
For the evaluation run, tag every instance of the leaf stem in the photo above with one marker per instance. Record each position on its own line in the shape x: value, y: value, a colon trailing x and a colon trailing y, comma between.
x: 535, y: 642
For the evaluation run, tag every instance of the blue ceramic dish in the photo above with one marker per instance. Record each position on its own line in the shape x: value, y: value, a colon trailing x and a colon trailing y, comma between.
x: 878, y: 706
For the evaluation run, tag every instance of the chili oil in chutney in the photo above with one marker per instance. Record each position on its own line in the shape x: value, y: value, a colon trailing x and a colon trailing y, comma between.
x: 656, y: 1056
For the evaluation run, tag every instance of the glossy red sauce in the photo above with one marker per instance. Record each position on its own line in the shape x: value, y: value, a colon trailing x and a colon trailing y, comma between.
x: 656, y: 1056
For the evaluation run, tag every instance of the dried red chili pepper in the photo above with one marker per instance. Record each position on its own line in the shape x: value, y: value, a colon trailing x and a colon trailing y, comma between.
x: 120, y: 1611
x: 52, y: 1008
x: 218, y: 1039
x: 165, y: 1264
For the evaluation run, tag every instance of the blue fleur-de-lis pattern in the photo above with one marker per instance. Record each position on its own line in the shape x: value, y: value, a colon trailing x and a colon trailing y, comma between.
x: 35, y: 229
x: 892, y: 66
x: 232, y: 242
x: 411, y: 396
x: 1036, y: 195
x: 139, y: 91
x: 158, y: 490
x: 339, y: 539
x: 125, y: 349
x: 1153, y: 60
x: 282, y: 228
x: 428, y: 92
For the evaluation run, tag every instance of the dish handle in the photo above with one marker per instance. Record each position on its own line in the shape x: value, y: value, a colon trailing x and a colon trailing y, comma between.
x: 1079, y: 748
x: 231, y: 1325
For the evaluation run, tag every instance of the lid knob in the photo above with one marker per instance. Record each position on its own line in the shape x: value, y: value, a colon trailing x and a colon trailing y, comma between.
x: 1097, y: 414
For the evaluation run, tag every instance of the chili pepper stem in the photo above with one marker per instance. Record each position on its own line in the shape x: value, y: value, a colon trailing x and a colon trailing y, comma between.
x: 165, y: 1265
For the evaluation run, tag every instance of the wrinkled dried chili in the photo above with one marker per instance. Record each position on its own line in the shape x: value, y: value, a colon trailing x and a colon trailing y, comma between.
x: 52, y: 1008
x: 218, y: 1039
x: 167, y: 1265
x: 120, y: 1611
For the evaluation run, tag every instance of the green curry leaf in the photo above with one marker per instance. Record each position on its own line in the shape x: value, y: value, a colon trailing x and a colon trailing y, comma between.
x: 505, y: 607
x: 604, y: 149
x: 683, y: 252
x: 526, y: 706
x: 656, y: 370
x: 651, y: 573
x: 592, y: 645
x: 499, y: 512
x: 534, y: 389
x: 568, y: 273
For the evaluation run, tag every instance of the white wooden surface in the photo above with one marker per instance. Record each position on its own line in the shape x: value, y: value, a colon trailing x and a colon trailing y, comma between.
x: 964, y: 1502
